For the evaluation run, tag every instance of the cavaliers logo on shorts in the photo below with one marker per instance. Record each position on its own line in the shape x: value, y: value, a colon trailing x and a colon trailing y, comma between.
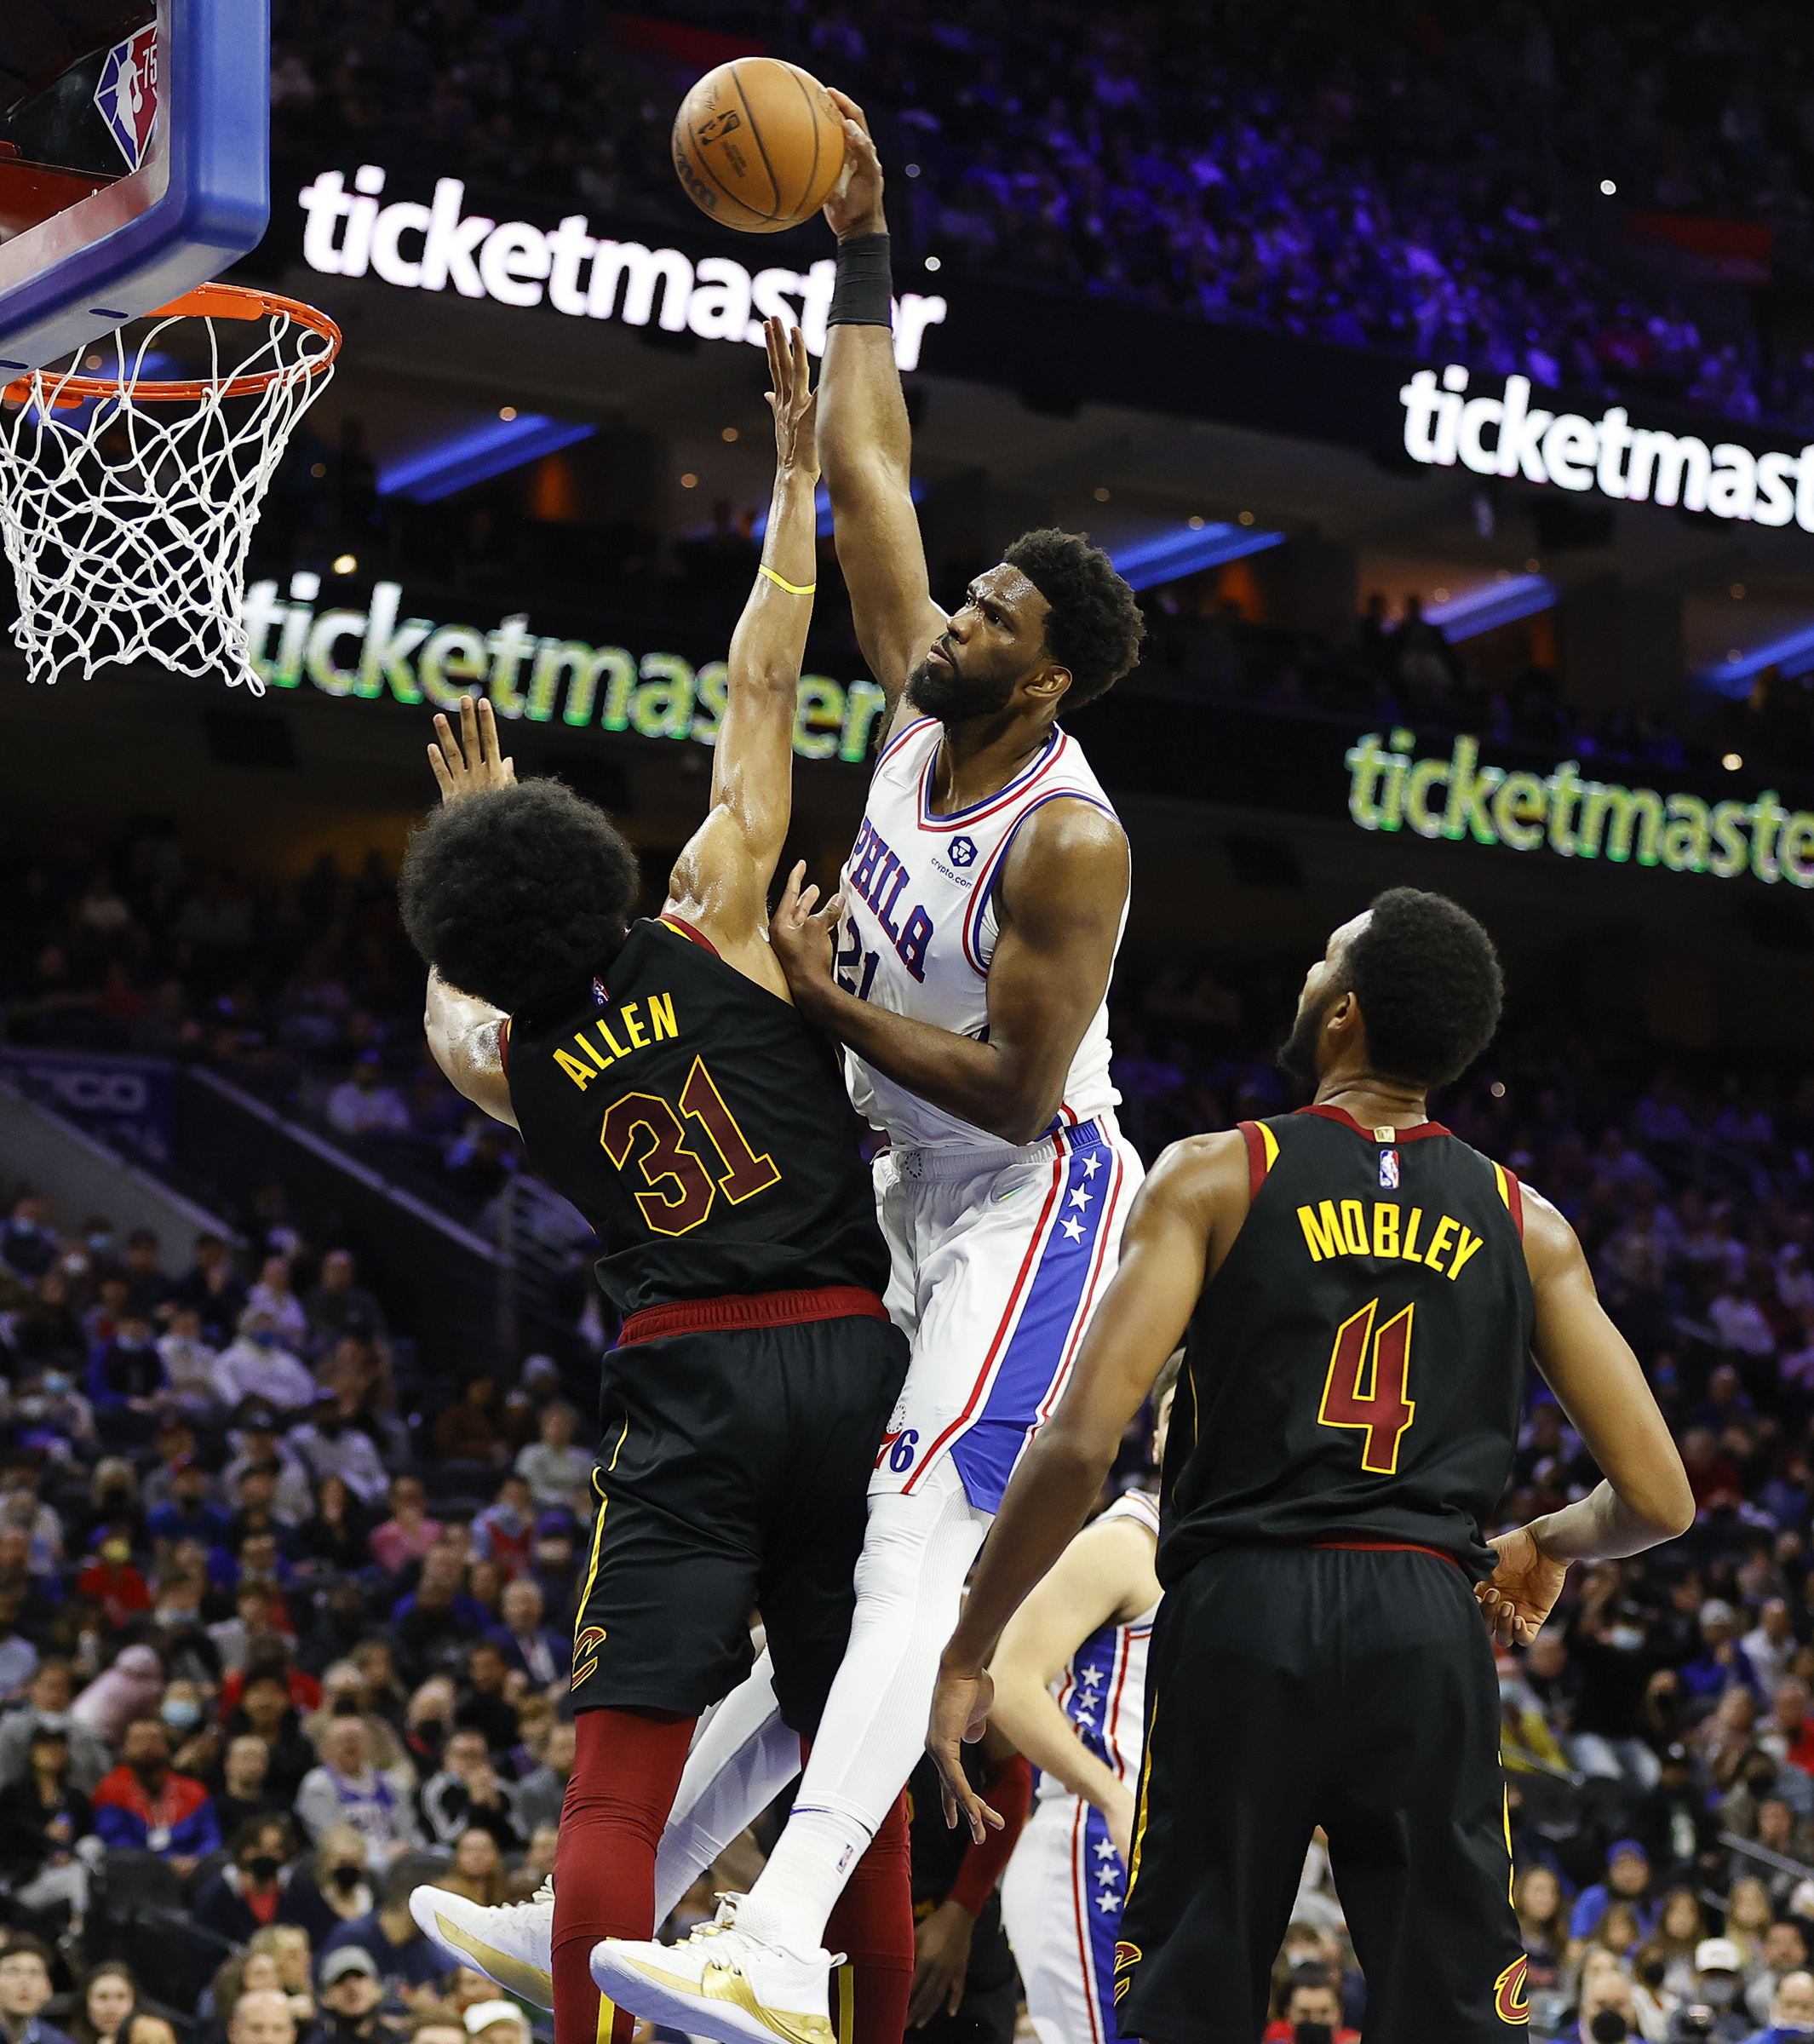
x: 586, y: 1653
x: 1509, y: 2003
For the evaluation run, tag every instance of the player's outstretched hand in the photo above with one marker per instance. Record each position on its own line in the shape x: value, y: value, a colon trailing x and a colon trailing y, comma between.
x: 475, y: 760
x: 792, y: 400
x: 802, y: 941
x: 1521, y: 1593
x: 855, y: 204
x: 961, y: 1706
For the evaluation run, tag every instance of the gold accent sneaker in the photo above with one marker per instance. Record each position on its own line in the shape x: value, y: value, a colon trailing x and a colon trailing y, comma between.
x: 720, y: 1983
x: 513, y: 1944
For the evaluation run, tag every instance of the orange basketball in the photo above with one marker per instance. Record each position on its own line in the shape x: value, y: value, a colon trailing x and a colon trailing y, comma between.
x: 759, y: 145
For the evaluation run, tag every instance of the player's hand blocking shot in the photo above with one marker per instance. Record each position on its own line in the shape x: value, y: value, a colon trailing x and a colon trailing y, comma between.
x: 664, y: 1080
x: 1359, y: 1291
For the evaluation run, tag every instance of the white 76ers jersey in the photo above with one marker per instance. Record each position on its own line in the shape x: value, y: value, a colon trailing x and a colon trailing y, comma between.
x: 920, y: 924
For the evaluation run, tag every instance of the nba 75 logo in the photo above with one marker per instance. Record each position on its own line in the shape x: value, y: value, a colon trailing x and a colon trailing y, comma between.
x: 962, y: 850
x: 1388, y: 1170
x: 127, y: 92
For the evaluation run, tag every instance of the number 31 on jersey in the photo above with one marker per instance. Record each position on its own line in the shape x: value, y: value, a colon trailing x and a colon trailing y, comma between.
x: 683, y: 1180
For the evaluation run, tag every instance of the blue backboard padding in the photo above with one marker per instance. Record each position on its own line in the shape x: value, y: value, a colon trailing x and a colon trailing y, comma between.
x: 215, y: 112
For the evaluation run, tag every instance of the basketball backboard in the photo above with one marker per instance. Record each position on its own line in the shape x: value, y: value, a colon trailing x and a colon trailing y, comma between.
x: 140, y: 173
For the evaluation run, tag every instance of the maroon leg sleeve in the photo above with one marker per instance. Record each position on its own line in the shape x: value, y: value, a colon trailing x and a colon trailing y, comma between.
x: 627, y: 1768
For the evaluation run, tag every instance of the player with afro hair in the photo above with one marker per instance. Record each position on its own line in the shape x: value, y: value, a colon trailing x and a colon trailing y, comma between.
x: 1094, y: 627
x: 518, y: 894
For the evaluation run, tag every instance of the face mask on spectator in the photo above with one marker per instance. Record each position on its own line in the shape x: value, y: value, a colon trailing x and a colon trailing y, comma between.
x: 117, y: 1552
x: 179, y: 1713
x: 263, y: 1866
x: 1720, y: 1991
x: 1313, y: 2033
x: 55, y: 1383
x: 345, y: 1707
x: 54, y: 1720
x: 266, y: 1337
x: 1609, y: 2027
x: 346, y: 1878
x: 430, y: 1730
x: 1628, y: 1639
x: 1652, y: 1972
x: 509, y: 1518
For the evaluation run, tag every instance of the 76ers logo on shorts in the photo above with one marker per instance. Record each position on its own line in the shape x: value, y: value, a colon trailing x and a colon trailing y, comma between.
x: 962, y: 850
x: 127, y: 92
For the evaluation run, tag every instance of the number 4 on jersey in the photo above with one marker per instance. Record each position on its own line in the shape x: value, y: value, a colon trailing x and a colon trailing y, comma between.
x: 1366, y: 1386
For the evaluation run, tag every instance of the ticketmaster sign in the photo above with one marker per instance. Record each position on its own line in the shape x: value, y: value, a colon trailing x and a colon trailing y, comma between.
x: 373, y: 653
x: 1454, y: 796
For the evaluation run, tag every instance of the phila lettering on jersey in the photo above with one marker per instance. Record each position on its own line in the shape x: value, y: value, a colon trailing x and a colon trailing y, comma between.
x: 920, y: 924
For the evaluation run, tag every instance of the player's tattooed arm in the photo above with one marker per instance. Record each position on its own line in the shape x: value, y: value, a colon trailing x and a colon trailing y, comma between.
x: 466, y: 1040
x: 1644, y: 1497
x: 1064, y: 886
x: 866, y: 446
x: 1186, y: 1216
x: 720, y: 883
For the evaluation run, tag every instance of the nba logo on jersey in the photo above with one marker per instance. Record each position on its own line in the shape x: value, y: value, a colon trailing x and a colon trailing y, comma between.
x: 1389, y: 1170
x: 598, y: 993
x: 127, y: 95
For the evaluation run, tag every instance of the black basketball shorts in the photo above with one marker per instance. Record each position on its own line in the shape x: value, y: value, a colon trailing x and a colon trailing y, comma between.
x: 1289, y: 1687
x: 734, y: 1476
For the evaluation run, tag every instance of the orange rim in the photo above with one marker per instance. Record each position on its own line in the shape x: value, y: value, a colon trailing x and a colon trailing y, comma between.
x: 206, y: 302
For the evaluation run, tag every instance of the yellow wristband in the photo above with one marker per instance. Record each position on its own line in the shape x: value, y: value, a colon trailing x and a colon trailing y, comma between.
x: 793, y: 589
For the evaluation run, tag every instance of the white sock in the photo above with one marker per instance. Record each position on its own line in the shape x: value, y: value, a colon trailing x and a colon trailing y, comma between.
x: 910, y: 1581
x: 743, y: 1757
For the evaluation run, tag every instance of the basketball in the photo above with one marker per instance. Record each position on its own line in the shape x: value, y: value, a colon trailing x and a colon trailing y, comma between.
x: 759, y: 144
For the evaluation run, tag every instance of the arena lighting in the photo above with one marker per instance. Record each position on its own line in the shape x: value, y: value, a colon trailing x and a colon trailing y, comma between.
x: 1793, y: 654
x: 1499, y: 603
x: 476, y: 455
x: 1188, y: 550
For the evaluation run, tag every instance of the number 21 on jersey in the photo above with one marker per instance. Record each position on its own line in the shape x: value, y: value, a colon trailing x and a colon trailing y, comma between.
x: 1367, y: 1388
x: 683, y: 1186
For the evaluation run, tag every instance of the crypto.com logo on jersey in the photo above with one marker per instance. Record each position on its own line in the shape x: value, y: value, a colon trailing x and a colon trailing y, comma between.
x: 426, y: 248
x: 1506, y: 435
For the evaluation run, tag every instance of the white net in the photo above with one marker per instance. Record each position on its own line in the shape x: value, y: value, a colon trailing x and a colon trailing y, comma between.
x: 126, y: 516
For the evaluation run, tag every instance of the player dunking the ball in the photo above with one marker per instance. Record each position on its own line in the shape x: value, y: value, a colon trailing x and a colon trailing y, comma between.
x: 666, y: 1084
x: 1361, y: 1291
x: 964, y: 966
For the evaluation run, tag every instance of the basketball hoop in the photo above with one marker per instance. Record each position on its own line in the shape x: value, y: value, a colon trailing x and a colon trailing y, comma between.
x: 127, y: 524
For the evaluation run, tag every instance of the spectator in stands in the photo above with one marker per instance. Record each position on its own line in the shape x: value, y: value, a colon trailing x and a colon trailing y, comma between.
x: 1788, y: 1734
x: 28, y: 1245
x: 1627, y: 1879
x: 272, y: 1295
x: 191, y: 1386
x: 328, y: 1444
x: 125, y: 1380
x: 42, y: 1818
x: 408, y: 1533
x: 1315, y: 1998
x: 262, y: 1449
x: 1673, y: 1824
x: 350, y: 1994
x: 346, y: 1789
x: 552, y: 1467
x: 24, y: 1987
x: 244, y: 1794
x: 266, y: 1708
x: 130, y: 1689
x: 405, y: 1960
x: 263, y: 2017
x: 339, y: 1305
x: 525, y: 1643
x: 107, y: 2002
x: 552, y: 1563
x: 537, y: 1798
x: 143, y: 1806
x: 1791, y: 2012
x: 246, y: 1896
x: 18, y: 1656
x: 505, y: 1530
x: 362, y: 1104
x: 466, y: 1430
x: 257, y: 1365
x: 47, y: 1707
x: 438, y: 1619
x: 212, y: 1289
x: 467, y: 1792
x: 487, y: 1707
x: 334, y: 1888
x: 1605, y: 1991
x: 189, y: 1514
x: 1719, y: 1982
x: 112, y: 1580
x: 1785, y: 1954
x: 1721, y: 1662
x: 477, y: 1867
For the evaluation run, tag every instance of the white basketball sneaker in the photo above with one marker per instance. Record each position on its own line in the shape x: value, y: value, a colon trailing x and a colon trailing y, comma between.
x: 720, y: 1983
x: 513, y: 1944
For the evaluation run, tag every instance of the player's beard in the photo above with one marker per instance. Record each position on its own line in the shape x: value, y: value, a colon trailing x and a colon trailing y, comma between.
x: 1297, y: 1054
x: 942, y: 689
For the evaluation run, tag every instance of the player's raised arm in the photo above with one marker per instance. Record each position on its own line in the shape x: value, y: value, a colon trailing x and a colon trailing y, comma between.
x: 1064, y: 886
x: 720, y: 882
x: 1644, y: 1498
x: 864, y: 440
x: 1186, y: 1213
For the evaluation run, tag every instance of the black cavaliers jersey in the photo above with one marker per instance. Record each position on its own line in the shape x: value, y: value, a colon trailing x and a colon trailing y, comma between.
x: 700, y: 1126
x: 1354, y: 1369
